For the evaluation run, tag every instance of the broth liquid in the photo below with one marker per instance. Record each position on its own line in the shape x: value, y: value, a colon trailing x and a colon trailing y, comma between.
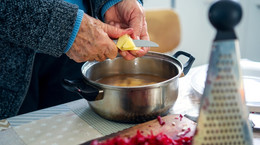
x: 125, y: 80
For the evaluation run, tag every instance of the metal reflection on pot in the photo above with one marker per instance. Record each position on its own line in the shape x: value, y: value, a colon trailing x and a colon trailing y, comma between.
x: 125, y: 80
x: 132, y: 102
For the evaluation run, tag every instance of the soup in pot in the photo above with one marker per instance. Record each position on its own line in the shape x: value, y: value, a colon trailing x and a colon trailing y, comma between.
x: 125, y: 80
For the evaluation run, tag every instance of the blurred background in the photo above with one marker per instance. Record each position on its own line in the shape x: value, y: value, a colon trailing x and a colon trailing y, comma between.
x: 197, y: 33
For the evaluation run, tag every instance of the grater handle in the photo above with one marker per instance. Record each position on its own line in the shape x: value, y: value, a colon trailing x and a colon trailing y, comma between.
x: 224, y: 15
x: 188, y: 64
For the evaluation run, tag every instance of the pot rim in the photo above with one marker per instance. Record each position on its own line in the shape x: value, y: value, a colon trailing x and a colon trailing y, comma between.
x: 157, y: 55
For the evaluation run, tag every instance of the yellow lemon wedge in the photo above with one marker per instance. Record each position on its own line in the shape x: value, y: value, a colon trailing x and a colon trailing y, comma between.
x: 125, y: 42
x: 121, y: 41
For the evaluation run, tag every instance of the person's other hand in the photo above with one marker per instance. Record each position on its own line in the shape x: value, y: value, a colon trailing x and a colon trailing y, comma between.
x: 93, y: 41
x: 129, y: 14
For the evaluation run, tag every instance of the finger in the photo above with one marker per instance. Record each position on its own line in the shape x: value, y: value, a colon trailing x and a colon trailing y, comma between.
x: 143, y: 36
x: 115, y: 32
x: 92, y: 58
x: 144, y: 33
x: 72, y: 54
x: 111, y: 23
x: 98, y: 59
x: 126, y: 55
x: 107, y: 56
x: 119, y: 25
x: 111, y: 50
x: 101, y: 57
x: 136, y: 23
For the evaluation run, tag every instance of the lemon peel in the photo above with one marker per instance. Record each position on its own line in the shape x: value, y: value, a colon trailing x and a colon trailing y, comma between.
x: 125, y: 42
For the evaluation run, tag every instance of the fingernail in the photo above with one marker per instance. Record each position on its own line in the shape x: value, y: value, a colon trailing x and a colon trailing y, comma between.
x: 133, y: 53
x: 111, y: 23
x: 137, y: 37
x: 129, y: 29
x: 123, y: 53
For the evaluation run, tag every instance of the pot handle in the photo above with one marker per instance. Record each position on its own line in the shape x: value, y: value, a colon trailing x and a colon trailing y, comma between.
x: 188, y: 64
x: 80, y: 87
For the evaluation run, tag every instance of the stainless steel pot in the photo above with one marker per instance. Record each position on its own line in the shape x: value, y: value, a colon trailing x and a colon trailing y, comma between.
x: 137, y: 103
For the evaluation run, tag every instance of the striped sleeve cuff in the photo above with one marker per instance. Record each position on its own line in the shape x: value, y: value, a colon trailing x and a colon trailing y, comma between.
x: 109, y: 4
x: 75, y: 30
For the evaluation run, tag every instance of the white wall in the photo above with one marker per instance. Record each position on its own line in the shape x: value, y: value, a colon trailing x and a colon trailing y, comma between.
x: 157, y: 4
x: 250, y: 32
x: 198, y: 34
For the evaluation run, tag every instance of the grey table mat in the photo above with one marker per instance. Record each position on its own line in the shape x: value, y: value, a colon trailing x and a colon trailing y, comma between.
x: 105, y: 127
x: 80, y: 108
x: 9, y: 137
x: 37, y: 115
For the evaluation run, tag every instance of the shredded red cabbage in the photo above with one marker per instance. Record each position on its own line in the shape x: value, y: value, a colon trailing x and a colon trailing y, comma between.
x: 181, y: 117
x: 161, y: 122
x: 139, y: 139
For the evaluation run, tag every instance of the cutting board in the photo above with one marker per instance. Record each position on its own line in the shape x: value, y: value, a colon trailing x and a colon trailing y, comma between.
x: 174, y: 126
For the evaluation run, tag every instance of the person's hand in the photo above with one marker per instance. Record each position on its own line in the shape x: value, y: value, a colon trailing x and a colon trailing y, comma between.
x: 93, y: 41
x: 129, y: 14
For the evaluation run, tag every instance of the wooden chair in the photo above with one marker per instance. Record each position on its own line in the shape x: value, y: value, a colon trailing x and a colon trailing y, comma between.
x: 164, y: 29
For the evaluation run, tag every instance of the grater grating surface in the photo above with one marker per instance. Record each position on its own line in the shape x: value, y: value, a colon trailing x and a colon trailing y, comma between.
x: 223, y: 118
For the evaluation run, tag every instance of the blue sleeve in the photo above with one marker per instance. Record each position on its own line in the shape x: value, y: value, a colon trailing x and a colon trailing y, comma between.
x: 80, y: 14
x: 75, y: 30
x: 109, y: 4
x: 79, y: 3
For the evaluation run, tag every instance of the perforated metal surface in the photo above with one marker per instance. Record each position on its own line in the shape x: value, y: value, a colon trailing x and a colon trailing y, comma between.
x: 223, y: 116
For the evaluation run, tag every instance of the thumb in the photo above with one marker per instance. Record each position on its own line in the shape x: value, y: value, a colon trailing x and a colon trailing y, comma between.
x: 136, y: 23
x: 115, y: 32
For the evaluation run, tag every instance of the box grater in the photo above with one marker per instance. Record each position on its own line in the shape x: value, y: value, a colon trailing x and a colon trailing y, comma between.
x: 223, y: 118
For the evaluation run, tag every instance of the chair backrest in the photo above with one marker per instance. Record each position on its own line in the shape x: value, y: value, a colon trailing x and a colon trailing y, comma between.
x: 164, y: 29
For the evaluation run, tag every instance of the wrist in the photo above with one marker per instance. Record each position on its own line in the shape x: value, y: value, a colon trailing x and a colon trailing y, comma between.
x: 109, y: 4
x: 75, y: 30
x: 106, y: 6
